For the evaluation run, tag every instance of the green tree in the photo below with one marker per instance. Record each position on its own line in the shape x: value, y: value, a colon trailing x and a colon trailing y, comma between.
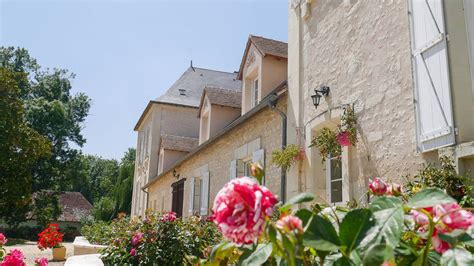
x: 123, y: 193
x: 54, y: 112
x: 20, y: 149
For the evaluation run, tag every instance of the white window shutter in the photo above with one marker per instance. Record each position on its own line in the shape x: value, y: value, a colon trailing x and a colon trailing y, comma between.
x: 204, y: 194
x: 233, y: 170
x: 435, y: 128
x: 191, y: 195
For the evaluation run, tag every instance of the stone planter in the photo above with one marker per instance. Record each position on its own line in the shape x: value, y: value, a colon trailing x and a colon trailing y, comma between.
x: 83, y: 247
x: 59, y: 254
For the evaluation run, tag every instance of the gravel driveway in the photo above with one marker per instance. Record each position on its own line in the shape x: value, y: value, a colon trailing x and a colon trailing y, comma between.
x: 31, y: 252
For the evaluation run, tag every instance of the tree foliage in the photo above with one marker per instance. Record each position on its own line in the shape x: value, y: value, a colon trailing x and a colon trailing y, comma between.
x: 20, y: 148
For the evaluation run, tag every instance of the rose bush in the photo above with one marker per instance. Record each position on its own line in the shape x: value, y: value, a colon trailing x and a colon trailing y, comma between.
x: 427, y: 228
x: 13, y: 258
x: 157, y: 239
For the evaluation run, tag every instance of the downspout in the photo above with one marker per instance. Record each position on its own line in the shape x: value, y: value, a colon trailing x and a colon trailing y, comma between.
x: 146, y: 198
x: 272, y: 104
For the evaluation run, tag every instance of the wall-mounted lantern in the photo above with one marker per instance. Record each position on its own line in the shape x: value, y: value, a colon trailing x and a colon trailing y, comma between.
x: 318, y: 94
x: 175, y: 174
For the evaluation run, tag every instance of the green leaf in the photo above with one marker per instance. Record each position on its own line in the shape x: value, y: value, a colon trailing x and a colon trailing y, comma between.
x: 343, y: 261
x: 260, y: 255
x: 455, y: 237
x: 378, y: 254
x: 219, y: 248
x: 429, y: 197
x: 388, y: 214
x: 301, y: 198
x: 382, y: 203
x: 457, y: 257
x: 354, y: 228
x: 304, y: 215
x: 320, y: 234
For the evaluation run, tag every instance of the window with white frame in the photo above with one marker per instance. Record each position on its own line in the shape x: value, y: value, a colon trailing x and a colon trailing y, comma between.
x: 243, y: 167
x: 197, y: 195
x: 255, y: 93
x: 334, y: 182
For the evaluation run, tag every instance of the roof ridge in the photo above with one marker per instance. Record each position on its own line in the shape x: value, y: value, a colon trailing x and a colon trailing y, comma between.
x: 251, y: 36
x: 208, y: 69
x: 221, y: 88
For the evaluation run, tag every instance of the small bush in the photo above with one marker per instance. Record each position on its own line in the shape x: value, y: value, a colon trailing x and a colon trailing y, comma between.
x: 158, y: 239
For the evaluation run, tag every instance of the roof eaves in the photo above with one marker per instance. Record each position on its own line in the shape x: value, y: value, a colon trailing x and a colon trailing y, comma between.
x: 277, y: 92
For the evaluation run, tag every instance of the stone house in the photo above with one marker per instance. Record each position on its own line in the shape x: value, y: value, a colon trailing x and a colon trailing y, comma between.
x: 407, y: 69
x: 236, y: 127
x: 168, y: 128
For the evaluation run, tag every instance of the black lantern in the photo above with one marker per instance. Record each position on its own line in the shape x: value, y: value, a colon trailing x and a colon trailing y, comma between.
x: 175, y: 174
x: 318, y: 94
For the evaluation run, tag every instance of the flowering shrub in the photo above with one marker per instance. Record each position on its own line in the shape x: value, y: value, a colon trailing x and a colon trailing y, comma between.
x: 41, y: 262
x: 428, y: 228
x: 50, y: 237
x: 3, y: 241
x: 160, y: 239
x: 13, y: 258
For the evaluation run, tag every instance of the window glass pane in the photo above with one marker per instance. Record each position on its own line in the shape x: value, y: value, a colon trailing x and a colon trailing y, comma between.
x: 336, y: 168
x: 336, y: 191
x: 240, y: 168
x: 197, y: 194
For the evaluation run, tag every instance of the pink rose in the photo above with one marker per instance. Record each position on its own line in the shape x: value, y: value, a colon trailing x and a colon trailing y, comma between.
x: 394, y: 189
x: 447, y: 217
x: 420, y: 218
x: 13, y: 258
x: 168, y: 217
x: 290, y: 223
x: 453, y: 217
x: 137, y: 238
x: 240, y: 209
x: 3, y: 239
x: 378, y: 187
x: 133, y: 252
x: 343, y: 139
x: 439, y: 245
x: 41, y: 262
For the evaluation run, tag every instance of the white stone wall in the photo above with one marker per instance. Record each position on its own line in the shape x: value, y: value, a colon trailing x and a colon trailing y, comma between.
x: 361, y: 50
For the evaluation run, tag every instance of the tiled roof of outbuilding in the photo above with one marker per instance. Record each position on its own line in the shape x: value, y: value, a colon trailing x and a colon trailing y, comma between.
x: 74, y: 206
x: 178, y: 143
x: 187, y: 90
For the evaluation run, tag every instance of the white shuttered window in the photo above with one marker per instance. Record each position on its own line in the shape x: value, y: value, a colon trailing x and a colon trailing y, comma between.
x: 204, y: 194
x: 435, y: 127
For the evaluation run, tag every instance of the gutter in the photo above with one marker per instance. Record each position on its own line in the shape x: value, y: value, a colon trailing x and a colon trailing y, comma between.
x: 272, y: 104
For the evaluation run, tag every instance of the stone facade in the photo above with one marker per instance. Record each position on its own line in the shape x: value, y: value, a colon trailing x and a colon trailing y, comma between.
x: 260, y: 131
x: 361, y: 50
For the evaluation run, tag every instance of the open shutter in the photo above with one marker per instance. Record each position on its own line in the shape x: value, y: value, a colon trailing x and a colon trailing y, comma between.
x: 233, y: 169
x: 191, y: 195
x: 432, y: 89
x: 204, y: 194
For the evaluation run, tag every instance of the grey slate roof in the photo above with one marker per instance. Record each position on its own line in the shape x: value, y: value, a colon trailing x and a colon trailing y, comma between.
x: 187, y: 90
x: 178, y: 143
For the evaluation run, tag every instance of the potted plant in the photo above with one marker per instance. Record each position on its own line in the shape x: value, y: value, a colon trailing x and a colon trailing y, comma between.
x: 52, y: 238
x: 288, y: 156
x: 347, y: 134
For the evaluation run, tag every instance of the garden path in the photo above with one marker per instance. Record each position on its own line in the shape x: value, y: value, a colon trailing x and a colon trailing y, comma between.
x: 31, y: 252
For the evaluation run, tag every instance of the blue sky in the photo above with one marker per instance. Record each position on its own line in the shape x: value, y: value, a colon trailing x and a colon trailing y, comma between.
x: 125, y: 53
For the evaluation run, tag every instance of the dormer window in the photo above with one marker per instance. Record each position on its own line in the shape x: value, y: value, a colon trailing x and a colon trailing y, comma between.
x: 255, y: 93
